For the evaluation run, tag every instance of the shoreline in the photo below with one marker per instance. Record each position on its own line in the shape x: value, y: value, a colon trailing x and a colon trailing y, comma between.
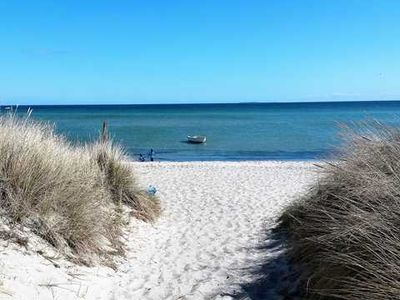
x: 204, y: 245
x: 249, y: 161
x: 220, y: 158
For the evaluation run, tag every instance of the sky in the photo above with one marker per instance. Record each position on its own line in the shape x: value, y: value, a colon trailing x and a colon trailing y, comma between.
x: 105, y: 52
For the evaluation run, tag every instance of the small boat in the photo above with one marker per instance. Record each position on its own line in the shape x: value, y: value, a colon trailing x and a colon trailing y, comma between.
x: 196, y: 139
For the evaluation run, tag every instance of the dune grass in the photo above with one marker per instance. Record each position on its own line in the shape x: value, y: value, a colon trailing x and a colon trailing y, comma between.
x: 71, y: 196
x: 121, y: 182
x: 345, y: 233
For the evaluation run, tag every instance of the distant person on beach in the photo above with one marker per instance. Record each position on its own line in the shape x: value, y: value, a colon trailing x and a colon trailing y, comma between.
x: 151, y: 154
x: 141, y: 157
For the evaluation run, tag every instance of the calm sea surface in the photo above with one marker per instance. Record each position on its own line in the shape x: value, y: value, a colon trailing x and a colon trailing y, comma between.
x: 234, y: 131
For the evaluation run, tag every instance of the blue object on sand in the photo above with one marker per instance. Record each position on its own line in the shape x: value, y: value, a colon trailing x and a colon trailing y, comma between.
x: 152, y: 190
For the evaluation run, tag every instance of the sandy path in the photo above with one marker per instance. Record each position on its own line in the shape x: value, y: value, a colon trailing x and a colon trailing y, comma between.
x: 214, y: 214
x: 213, y: 219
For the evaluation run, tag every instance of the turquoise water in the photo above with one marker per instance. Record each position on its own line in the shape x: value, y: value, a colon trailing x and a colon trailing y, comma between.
x: 234, y: 131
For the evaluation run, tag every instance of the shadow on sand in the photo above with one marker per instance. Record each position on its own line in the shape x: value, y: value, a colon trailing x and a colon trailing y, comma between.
x: 274, y: 277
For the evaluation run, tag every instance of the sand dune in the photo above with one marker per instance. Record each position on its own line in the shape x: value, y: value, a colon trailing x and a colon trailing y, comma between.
x: 202, y: 247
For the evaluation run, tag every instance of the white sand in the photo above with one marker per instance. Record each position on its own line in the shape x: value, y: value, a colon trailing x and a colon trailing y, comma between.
x: 204, y: 246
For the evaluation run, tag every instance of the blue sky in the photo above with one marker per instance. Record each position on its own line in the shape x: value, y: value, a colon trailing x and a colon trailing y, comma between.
x: 64, y: 52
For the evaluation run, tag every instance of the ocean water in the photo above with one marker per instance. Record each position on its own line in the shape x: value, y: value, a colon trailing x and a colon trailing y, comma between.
x: 248, y: 131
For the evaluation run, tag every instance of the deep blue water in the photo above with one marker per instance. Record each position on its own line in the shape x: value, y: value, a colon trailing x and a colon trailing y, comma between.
x: 248, y: 131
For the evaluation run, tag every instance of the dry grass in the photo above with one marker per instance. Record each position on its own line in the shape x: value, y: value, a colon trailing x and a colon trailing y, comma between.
x: 71, y: 196
x: 345, y: 234
x: 121, y: 182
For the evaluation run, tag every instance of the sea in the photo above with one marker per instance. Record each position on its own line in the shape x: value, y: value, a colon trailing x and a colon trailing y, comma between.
x: 240, y: 131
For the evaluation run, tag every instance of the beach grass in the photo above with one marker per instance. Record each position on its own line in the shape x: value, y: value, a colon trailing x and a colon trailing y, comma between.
x: 121, y: 181
x: 74, y: 197
x: 344, y: 235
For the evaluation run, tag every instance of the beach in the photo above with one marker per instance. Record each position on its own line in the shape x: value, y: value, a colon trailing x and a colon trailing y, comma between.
x: 205, y: 245
x: 182, y: 150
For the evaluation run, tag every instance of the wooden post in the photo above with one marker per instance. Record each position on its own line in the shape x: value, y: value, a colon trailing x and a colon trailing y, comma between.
x: 104, y: 132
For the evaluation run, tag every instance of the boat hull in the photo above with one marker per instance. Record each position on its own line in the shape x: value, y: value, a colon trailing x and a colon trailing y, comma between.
x: 196, y: 139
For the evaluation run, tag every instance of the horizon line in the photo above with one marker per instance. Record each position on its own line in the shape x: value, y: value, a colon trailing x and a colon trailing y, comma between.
x: 207, y: 103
